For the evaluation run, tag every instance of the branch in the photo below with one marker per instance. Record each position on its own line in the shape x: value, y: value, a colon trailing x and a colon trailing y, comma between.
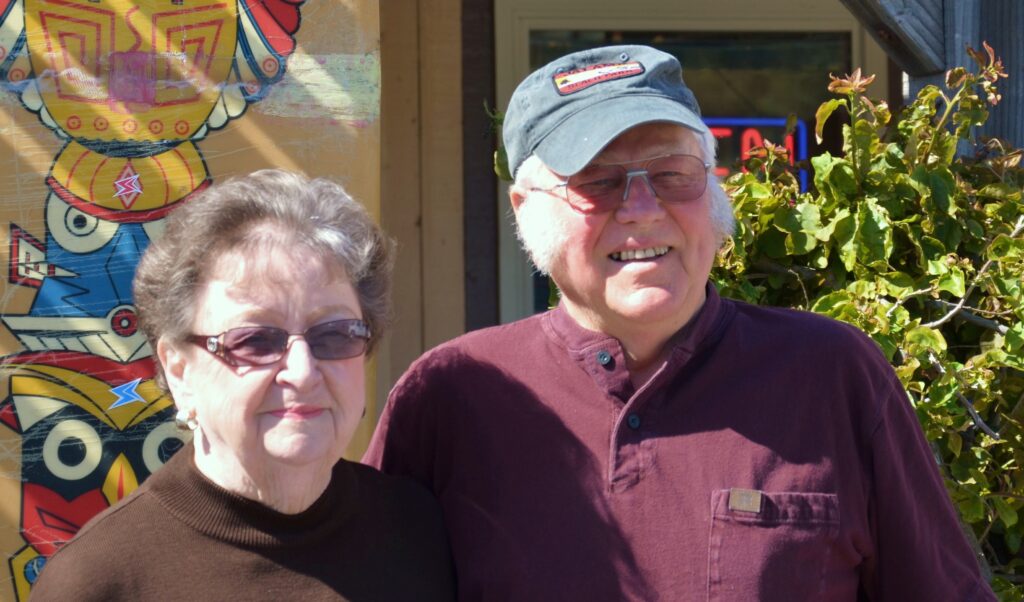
x: 974, y: 283
x: 905, y: 298
x: 975, y: 417
x: 967, y: 315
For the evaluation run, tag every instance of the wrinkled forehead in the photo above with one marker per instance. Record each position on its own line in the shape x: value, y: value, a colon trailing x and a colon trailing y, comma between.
x: 651, y: 140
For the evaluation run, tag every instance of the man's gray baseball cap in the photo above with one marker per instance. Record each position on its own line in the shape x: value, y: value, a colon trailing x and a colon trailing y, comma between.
x: 568, y: 110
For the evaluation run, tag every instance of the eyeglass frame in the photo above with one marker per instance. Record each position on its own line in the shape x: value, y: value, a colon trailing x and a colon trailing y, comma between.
x: 630, y: 174
x: 214, y: 343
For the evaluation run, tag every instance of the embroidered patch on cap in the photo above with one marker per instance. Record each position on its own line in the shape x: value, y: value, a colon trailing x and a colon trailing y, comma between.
x: 568, y: 82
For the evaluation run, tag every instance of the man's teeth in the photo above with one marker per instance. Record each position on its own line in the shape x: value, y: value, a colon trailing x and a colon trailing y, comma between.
x: 633, y: 254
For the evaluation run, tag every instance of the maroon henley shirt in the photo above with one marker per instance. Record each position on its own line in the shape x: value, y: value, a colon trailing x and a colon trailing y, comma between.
x: 774, y: 456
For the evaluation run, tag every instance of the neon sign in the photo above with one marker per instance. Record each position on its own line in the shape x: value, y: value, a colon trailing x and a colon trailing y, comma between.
x: 738, y: 135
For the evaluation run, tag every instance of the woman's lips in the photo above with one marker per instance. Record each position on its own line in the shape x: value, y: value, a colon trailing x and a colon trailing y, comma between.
x: 298, y: 412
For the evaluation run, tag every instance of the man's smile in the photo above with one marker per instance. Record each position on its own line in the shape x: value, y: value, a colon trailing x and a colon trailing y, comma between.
x: 639, y: 254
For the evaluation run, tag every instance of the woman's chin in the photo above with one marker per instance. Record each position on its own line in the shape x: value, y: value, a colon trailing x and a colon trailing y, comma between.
x: 302, y: 446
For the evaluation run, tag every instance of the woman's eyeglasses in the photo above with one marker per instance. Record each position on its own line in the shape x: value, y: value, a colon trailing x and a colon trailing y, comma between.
x: 261, y: 345
x: 603, y: 188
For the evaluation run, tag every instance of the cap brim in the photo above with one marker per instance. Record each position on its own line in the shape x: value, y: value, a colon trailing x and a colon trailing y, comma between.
x: 575, y: 142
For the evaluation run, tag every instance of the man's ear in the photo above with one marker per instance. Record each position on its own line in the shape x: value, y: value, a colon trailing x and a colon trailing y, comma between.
x: 174, y: 362
x: 517, y: 194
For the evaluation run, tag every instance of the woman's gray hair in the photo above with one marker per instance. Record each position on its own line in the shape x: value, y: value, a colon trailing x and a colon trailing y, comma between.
x: 317, y: 215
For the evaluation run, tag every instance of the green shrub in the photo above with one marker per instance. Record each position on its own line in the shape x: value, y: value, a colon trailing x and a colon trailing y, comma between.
x: 923, y: 250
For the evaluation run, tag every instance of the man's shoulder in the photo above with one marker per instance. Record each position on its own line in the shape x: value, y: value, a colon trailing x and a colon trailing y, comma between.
x: 798, y: 326
x: 800, y: 342
x: 493, y: 344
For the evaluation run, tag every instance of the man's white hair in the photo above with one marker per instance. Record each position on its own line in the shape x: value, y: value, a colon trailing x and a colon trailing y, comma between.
x: 544, y: 234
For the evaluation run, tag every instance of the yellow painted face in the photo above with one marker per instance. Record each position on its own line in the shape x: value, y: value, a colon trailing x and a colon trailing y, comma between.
x: 131, y: 70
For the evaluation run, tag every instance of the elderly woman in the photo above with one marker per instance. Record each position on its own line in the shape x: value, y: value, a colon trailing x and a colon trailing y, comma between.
x: 261, y: 300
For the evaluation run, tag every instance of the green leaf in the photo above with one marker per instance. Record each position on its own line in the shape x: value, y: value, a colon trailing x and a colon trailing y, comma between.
x: 810, y: 217
x: 953, y: 282
x: 1003, y: 247
x: 1014, y: 339
x: 874, y: 233
x: 926, y: 338
x: 772, y: 243
x: 1002, y: 191
x: 1013, y: 541
x: 832, y: 303
x: 895, y: 284
x: 845, y: 234
x: 501, y: 164
x: 887, y: 343
x: 1006, y: 513
x: 955, y: 443
x: 800, y: 243
x: 936, y: 186
x: 822, y: 114
x: 976, y: 229
x: 972, y: 509
x: 786, y: 219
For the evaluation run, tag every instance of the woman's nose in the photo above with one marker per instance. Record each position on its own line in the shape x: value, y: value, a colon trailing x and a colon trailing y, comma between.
x: 298, y: 365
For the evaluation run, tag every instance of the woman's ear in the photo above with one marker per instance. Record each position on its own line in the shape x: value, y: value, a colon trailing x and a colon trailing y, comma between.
x: 174, y: 362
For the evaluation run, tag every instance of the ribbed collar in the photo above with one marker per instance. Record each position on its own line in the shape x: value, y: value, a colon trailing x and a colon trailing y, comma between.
x: 212, y: 510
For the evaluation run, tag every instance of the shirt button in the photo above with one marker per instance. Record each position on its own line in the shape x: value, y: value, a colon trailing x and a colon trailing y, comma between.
x: 633, y: 421
x: 604, y: 358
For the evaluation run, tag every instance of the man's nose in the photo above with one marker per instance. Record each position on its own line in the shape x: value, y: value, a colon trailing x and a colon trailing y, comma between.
x: 639, y: 175
x: 639, y: 199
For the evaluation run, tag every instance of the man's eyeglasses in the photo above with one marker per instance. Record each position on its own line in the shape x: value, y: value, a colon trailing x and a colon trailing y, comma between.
x: 602, y: 188
x: 261, y: 345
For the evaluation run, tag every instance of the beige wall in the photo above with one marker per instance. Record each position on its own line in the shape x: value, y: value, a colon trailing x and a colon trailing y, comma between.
x: 421, y: 173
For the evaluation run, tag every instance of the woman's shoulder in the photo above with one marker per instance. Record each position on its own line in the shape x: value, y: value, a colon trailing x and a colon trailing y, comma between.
x: 392, y: 493
x: 399, y: 524
x: 71, y: 573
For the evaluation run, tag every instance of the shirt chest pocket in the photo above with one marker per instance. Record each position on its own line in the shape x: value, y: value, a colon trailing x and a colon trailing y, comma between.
x: 770, y: 546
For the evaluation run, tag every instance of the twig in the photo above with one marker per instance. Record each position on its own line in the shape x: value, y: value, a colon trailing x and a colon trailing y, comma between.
x: 967, y: 315
x: 978, y: 422
x: 906, y: 298
x: 974, y: 283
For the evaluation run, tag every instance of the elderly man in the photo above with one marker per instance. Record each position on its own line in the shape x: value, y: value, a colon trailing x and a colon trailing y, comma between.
x: 648, y: 439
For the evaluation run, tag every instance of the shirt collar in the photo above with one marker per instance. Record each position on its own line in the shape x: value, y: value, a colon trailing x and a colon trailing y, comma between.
x: 579, y: 340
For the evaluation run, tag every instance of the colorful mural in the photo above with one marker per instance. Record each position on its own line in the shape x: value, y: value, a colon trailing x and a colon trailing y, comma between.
x: 129, y: 87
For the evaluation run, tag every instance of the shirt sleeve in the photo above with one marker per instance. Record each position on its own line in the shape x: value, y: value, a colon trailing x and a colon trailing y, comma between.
x: 921, y: 552
x: 404, y: 442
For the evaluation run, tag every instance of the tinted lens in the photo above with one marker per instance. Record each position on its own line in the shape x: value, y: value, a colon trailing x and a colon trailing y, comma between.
x: 337, y: 340
x: 596, y: 189
x: 678, y: 178
x: 600, y: 188
x: 255, y: 344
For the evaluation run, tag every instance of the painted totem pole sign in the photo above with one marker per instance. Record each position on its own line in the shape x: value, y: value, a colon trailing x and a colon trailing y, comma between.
x: 130, y: 88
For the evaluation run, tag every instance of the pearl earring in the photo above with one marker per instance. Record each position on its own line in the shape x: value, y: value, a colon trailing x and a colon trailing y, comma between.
x: 186, y: 421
